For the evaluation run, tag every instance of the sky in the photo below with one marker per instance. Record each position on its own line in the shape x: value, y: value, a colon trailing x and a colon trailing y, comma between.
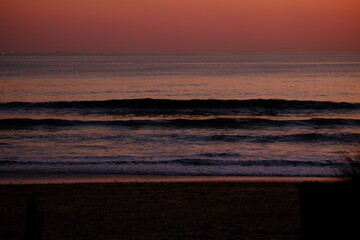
x: 179, y: 26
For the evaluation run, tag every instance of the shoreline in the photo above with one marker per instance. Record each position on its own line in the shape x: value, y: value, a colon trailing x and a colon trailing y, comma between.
x: 73, y: 178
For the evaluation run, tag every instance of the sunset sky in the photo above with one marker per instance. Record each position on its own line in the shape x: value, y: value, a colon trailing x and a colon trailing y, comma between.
x: 174, y: 26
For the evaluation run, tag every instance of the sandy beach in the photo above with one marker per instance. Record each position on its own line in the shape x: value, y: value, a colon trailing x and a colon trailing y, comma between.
x: 162, y: 210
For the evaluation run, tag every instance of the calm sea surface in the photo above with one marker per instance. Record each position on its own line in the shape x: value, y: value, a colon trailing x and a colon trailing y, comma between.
x: 246, y: 115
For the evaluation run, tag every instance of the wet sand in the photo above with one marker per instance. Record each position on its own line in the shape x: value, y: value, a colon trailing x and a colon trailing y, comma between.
x: 45, y: 178
x: 162, y: 210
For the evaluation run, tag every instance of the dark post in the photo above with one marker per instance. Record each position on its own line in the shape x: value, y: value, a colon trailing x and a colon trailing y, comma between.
x: 354, y: 208
x: 34, y: 221
x: 324, y: 212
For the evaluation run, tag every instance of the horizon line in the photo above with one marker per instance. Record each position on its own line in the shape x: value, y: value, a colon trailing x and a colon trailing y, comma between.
x: 174, y: 53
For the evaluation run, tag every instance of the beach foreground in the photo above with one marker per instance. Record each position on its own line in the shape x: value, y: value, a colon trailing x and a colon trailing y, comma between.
x: 166, y: 210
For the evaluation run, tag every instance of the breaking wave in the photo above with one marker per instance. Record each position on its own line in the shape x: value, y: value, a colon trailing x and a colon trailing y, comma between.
x: 196, y: 106
x: 182, y: 123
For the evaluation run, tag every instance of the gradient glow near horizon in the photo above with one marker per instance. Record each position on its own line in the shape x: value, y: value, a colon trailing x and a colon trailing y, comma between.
x: 172, y: 26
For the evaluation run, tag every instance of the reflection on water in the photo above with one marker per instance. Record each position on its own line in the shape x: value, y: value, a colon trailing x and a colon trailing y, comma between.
x: 242, y: 138
x: 331, y: 77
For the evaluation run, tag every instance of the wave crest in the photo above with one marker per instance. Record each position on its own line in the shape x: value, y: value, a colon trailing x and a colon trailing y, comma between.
x: 195, y: 106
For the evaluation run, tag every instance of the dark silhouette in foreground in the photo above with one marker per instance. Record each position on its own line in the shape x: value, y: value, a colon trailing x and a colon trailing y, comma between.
x: 34, y: 221
x: 332, y: 210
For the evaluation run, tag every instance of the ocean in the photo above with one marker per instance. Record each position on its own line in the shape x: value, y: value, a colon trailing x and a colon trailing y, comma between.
x: 289, y: 115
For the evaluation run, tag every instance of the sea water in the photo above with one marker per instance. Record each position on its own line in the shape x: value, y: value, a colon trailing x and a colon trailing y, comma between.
x: 238, y: 115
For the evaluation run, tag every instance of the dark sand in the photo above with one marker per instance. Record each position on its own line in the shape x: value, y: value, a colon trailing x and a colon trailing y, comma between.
x: 167, y: 210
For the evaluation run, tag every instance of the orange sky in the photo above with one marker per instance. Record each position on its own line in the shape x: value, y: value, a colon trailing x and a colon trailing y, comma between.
x: 179, y: 26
